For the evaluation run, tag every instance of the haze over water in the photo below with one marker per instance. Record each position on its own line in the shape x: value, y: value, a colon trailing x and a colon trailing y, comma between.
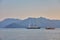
x: 22, y: 9
x: 29, y: 34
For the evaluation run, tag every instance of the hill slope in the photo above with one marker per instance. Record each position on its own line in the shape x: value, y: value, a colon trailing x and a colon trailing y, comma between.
x: 41, y: 22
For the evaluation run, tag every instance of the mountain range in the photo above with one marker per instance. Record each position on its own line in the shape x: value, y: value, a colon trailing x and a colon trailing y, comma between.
x: 18, y: 23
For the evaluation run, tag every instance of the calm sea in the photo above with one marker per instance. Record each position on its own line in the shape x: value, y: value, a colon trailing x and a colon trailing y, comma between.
x: 29, y: 34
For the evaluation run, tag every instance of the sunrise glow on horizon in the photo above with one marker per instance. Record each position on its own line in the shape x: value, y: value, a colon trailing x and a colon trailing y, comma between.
x: 22, y: 9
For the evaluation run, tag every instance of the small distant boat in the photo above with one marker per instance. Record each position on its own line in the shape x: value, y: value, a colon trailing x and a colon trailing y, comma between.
x: 50, y: 28
x: 33, y: 27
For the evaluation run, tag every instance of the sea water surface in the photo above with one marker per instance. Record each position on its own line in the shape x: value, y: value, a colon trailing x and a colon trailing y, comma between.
x: 29, y: 34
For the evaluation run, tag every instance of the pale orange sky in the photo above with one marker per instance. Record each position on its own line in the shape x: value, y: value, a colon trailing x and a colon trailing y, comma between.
x: 22, y: 9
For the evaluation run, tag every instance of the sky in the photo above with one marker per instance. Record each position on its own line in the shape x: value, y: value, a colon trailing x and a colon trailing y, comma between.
x: 22, y: 9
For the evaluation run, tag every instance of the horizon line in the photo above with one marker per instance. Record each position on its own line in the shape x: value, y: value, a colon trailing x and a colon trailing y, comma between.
x: 27, y: 18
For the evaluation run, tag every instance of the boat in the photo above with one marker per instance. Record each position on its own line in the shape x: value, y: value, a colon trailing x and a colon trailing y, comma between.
x: 50, y: 28
x: 33, y: 27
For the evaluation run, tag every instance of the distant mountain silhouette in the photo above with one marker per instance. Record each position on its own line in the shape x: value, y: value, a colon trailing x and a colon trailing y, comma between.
x: 41, y: 22
x: 9, y: 21
x: 13, y: 25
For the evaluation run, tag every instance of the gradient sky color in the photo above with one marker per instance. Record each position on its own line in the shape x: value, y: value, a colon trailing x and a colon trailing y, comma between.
x: 29, y: 8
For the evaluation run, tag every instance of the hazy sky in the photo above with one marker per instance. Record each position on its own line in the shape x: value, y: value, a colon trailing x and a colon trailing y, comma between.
x: 29, y: 8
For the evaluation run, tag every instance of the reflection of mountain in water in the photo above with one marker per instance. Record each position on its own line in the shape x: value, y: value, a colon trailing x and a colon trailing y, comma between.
x: 40, y: 22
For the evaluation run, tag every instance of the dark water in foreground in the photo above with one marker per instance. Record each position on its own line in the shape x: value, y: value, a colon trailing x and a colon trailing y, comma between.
x: 29, y: 34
